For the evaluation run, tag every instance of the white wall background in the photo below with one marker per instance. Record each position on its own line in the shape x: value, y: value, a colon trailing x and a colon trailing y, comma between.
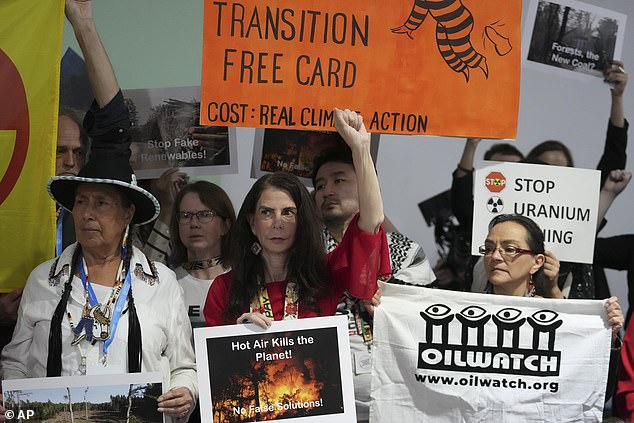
x: 157, y: 43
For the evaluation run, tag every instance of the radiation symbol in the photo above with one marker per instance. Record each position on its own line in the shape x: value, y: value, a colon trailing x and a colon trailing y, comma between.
x: 495, y: 205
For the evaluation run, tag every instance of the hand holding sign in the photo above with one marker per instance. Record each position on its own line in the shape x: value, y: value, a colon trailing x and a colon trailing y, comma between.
x: 616, y: 76
x: 258, y: 318
x: 350, y: 126
x: 166, y: 188
x: 375, y: 301
x: 615, y: 315
x: 176, y: 402
x: 551, y: 270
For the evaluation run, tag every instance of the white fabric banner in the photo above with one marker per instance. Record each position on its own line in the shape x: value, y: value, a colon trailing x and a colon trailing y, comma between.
x: 446, y: 356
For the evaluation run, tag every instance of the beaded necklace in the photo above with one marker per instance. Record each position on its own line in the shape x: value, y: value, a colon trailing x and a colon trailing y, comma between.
x: 98, y: 315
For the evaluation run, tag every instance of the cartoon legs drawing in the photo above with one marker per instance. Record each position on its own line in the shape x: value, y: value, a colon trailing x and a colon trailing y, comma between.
x: 454, y: 24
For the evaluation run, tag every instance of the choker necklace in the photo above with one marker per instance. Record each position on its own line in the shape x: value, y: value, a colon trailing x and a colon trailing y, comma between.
x: 202, y: 264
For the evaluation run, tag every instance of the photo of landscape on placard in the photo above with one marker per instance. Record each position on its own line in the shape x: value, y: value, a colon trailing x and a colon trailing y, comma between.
x: 572, y: 38
x: 131, y: 403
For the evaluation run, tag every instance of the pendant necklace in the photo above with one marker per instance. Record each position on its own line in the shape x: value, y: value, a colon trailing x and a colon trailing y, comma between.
x: 98, y: 321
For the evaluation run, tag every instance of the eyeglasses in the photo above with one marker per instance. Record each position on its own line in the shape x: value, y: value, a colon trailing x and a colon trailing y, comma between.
x: 508, y: 251
x: 203, y: 216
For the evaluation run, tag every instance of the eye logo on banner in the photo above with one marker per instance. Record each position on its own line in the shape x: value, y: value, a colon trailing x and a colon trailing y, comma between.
x: 495, y: 182
x: 488, y: 354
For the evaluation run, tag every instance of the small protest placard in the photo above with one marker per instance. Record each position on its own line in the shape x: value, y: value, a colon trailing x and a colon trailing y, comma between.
x: 166, y: 134
x: 295, y: 151
x: 296, y: 370
x: 563, y: 201
x: 571, y: 38
x: 121, y: 397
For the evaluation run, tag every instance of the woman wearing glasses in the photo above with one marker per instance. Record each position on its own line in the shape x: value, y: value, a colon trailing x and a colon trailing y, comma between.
x: 515, y: 261
x: 202, y: 217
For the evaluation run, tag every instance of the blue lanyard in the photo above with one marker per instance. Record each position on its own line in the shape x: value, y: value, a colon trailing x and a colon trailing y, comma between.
x: 59, y: 233
x: 118, y: 308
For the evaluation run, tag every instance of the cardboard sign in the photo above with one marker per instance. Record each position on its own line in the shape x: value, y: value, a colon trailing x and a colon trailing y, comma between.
x: 427, y: 67
x: 563, y: 201
x: 297, y: 370
x: 446, y: 356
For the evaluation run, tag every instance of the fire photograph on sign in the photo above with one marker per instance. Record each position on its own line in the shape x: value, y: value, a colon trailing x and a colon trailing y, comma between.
x: 574, y: 36
x: 273, y: 376
x: 294, y: 151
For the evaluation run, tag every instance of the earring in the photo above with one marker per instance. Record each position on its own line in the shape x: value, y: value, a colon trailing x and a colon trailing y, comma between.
x: 125, y: 236
x: 256, y: 248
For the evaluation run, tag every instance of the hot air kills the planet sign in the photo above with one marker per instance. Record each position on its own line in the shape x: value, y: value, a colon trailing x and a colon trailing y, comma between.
x: 299, y: 369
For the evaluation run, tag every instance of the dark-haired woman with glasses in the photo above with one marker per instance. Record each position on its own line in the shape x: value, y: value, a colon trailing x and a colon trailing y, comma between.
x: 514, y: 258
x: 202, y: 217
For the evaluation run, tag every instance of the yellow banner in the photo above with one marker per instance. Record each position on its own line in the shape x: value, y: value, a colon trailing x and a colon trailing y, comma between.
x: 30, y: 51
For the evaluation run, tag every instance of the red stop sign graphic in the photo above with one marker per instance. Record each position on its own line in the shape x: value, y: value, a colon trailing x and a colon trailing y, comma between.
x: 495, y: 182
x: 14, y: 115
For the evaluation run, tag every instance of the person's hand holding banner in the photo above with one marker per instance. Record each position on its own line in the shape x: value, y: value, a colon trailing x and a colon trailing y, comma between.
x: 258, y: 318
x: 615, y: 315
x: 375, y: 301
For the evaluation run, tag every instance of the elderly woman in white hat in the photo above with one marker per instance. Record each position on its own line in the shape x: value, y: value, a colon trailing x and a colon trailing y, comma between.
x: 102, y: 306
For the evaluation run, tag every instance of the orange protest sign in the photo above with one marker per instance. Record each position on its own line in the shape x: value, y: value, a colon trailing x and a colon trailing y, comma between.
x: 438, y: 67
x: 30, y: 50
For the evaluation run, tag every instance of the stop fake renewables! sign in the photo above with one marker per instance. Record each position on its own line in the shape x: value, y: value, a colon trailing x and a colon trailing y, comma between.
x: 563, y: 201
